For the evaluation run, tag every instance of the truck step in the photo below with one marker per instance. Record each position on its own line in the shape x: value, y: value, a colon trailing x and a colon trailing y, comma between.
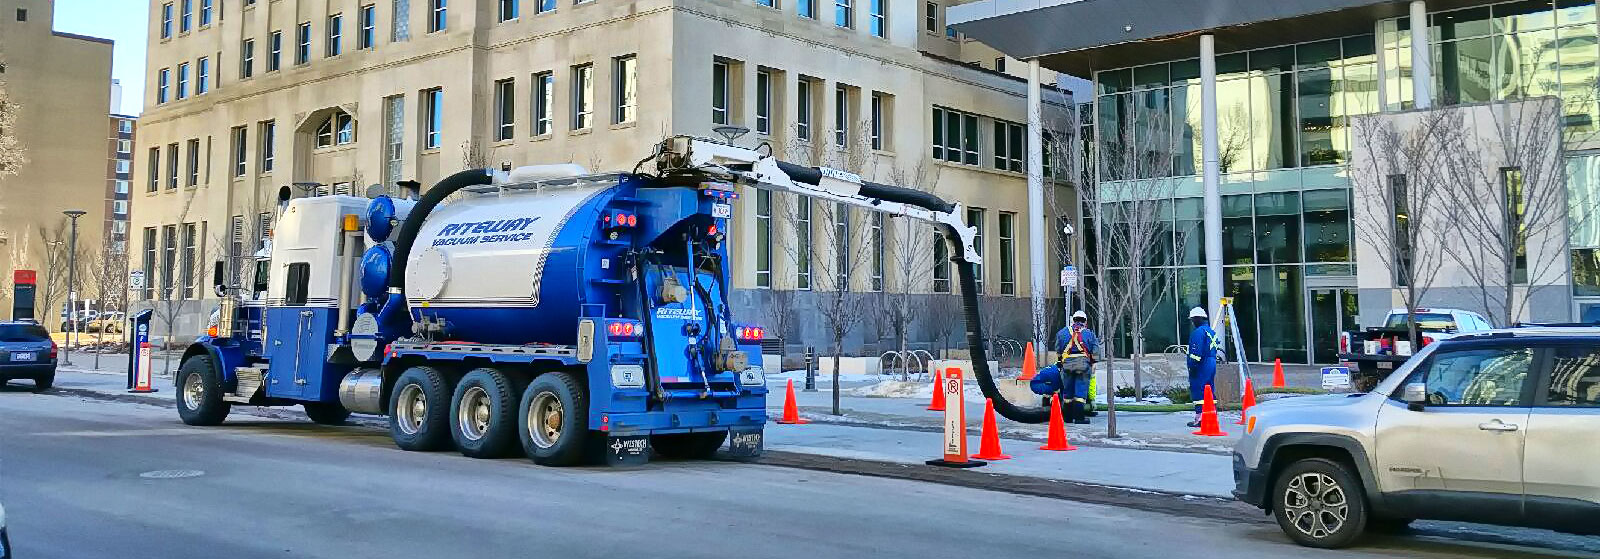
x: 247, y: 384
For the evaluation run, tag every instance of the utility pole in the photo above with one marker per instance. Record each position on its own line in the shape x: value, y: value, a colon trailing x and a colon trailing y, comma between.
x: 72, y: 285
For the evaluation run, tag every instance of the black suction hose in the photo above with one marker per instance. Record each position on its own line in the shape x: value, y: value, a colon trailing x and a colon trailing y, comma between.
x: 419, y: 214
x: 980, y: 358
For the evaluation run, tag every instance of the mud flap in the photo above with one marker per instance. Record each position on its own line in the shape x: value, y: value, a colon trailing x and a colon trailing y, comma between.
x: 628, y: 450
x: 745, y: 443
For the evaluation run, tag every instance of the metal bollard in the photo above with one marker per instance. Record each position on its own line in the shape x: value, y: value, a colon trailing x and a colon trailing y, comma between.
x: 811, y: 369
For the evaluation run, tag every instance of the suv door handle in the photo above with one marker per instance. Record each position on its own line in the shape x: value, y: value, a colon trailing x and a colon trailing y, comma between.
x: 1497, y: 425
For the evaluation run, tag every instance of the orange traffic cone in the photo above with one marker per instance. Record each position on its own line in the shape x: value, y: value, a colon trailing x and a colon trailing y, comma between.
x: 1248, y: 402
x: 1277, y: 373
x: 938, y: 394
x: 791, y: 412
x: 1030, y: 367
x: 1208, y: 418
x: 1057, y: 439
x: 989, y: 445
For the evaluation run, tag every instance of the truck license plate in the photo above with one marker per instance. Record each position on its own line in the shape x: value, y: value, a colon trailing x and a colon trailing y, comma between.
x: 721, y: 210
x: 1385, y: 365
x: 22, y: 356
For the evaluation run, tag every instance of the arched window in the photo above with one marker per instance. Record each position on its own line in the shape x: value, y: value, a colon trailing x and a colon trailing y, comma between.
x: 339, y: 129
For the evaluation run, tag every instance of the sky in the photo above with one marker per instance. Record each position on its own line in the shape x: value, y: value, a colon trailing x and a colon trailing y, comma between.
x: 123, y: 21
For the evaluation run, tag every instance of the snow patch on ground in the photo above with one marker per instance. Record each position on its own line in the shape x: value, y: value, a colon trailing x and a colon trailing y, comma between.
x: 907, y: 389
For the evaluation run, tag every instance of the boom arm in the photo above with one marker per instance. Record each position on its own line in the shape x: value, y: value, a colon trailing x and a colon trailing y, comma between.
x: 684, y: 154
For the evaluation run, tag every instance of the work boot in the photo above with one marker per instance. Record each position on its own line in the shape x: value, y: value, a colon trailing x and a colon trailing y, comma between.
x: 1196, y: 421
x: 1076, y: 414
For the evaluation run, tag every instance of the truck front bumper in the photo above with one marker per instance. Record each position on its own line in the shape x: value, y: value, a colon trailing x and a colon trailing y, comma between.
x: 1249, y: 485
x: 688, y: 421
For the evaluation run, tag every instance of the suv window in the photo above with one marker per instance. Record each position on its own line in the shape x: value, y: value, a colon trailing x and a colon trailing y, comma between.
x: 1574, y: 377
x: 1425, y: 321
x: 23, y: 333
x: 1493, y: 376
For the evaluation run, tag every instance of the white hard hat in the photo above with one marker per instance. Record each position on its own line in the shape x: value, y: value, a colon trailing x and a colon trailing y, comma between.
x: 1080, y: 314
x: 1197, y: 312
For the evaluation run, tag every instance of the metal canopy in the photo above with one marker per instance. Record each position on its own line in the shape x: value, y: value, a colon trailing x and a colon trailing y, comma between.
x: 1079, y: 36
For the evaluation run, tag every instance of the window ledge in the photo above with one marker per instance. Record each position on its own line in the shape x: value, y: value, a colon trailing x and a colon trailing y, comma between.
x: 541, y: 137
x: 883, y: 152
x: 625, y: 125
x: 581, y: 131
x: 429, y: 151
x: 503, y: 143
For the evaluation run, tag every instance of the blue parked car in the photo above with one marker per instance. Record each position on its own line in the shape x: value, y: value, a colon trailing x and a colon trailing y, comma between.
x: 27, y: 352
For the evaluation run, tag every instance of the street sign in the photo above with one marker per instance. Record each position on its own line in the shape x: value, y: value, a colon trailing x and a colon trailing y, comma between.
x: 1335, y: 378
x: 136, y: 279
x: 955, y: 422
x: 1069, y: 277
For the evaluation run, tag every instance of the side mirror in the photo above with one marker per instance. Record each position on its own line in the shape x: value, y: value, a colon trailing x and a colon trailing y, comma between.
x: 218, y: 283
x: 1416, y: 395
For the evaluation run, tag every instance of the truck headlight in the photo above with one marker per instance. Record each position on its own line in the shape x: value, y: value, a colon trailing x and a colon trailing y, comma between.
x: 753, y: 376
x: 627, y: 376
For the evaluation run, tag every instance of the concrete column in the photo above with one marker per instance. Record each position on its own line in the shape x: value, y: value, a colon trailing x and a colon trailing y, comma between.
x: 1036, y: 209
x: 1421, y: 56
x: 1211, y: 165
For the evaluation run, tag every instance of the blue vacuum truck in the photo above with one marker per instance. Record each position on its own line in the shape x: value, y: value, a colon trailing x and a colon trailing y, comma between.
x: 579, y: 317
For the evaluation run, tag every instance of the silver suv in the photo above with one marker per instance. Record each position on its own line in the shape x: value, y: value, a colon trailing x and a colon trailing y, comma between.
x: 1499, y: 427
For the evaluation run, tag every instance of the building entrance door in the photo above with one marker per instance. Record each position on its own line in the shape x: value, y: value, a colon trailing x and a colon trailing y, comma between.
x: 1333, y: 310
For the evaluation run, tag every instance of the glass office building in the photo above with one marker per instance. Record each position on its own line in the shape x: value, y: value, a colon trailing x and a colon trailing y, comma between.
x: 1283, y: 130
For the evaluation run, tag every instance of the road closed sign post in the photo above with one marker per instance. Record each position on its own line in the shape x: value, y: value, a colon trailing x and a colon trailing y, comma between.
x: 952, y: 383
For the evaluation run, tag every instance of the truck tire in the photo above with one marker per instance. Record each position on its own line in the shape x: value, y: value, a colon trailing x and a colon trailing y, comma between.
x: 483, y: 414
x: 419, y: 410
x: 552, y: 420
x: 326, y: 413
x: 200, y: 393
x: 1319, y: 503
x: 690, y: 446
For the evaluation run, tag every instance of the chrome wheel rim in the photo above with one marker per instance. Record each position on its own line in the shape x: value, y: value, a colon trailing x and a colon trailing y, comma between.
x: 193, y: 391
x: 546, y: 417
x: 1316, y: 505
x: 410, y: 408
x: 473, y: 417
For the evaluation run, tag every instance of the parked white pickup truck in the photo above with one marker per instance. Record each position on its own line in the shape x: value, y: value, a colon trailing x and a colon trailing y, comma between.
x: 1376, y: 351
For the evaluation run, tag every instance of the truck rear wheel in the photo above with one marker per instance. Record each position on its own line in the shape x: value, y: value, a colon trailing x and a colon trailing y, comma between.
x: 483, y: 414
x: 200, y: 393
x: 419, y: 410
x: 693, y: 446
x: 553, y: 420
x: 326, y: 413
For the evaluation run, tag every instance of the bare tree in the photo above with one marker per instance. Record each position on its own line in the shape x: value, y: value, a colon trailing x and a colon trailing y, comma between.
x: 910, y: 256
x: 12, y: 155
x: 57, y: 258
x: 944, y: 318
x: 108, y: 281
x: 1401, y: 189
x: 837, y: 277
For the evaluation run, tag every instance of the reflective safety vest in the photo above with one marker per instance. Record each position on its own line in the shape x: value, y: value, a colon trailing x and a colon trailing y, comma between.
x: 1076, y: 340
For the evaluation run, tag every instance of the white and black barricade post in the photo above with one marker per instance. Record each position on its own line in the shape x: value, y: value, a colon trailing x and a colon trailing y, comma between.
x: 139, y: 353
x: 811, y: 369
x: 955, y: 423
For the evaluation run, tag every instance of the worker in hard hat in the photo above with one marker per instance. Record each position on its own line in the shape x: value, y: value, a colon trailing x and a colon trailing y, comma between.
x: 1077, y: 345
x: 1202, y: 359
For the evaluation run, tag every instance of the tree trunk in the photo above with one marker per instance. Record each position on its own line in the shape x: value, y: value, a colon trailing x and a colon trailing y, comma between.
x: 1111, y: 376
x: 838, y: 343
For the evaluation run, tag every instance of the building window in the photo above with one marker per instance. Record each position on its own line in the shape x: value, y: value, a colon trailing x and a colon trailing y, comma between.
x: 975, y: 221
x: 505, y: 108
x: 802, y: 125
x: 876, y: 235
x: 123, y: 166
x: 1008, y: 253
x: 508, y: 10
x: 877, y: 23
x: 335, y: 35
x: 763, y: 102
x: 930, y: 17
x: 202, y: 77
x: 149, y: 264
x: 169, y: 260
x: 369, y: 28
x: 544, y: 6
x: 266, y: 137
x: 625, y: 88
x: 841, y: 116
x: 433, y: 125
x: 124, y: 147
x: 400, y: 27
x: 241, y: 151
x: 22, y: 14
x: 1402, y: 229
x: 806, y: 8
x: 720, y: 97
x: 166, y: 20
x: 247, y: 58
x: 190, y: 259
x: 767, y: 3
x: 337, y: 130
x: 302, y: 43
x: 154, y: 170
x: 162, y: 78
x: 878, y: 123
x: 763, y: 238
x: 437, y: 17
x: 843, y: 13
x: 582, y: 96
x: 122, y: 187
x: 172, y: 166
x: 183, y: 80
x: 274, y: 51
x: 842, y: 261
x: 205, y: 12
x: 394, y: 122
x: 1516, y: 204
x: 1000, y: 64
x: 125, y: 126
x: 192, y: 151
x: 955, y: 136
x: 802, y: 243
x: 1009, y: 146
x: 941, y: 264
x: 186, y: 17
x: 544, y: 102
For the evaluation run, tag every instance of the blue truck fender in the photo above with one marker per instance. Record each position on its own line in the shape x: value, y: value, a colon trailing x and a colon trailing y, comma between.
x: 224, y: 359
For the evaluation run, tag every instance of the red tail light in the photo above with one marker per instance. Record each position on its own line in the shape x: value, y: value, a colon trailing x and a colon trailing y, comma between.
x: 1427, y: 340
x: 633, y: 220
x: 749, y: 333
x: 624, y: 329
x: 53, y: 349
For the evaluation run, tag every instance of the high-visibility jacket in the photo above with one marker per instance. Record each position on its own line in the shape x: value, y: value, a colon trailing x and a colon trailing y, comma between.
x: 1203, y: 348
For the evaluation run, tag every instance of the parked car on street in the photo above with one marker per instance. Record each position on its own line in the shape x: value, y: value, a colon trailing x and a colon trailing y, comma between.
x: 27, y: 352
x: 1373, y: 353
x: 1493, y: 427
x: 109, y: 322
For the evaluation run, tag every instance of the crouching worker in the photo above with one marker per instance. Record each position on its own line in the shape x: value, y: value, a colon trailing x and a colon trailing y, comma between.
x: 1070, y: 377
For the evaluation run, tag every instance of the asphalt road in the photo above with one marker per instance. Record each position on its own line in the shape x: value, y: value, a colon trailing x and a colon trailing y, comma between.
x: 76, y: 480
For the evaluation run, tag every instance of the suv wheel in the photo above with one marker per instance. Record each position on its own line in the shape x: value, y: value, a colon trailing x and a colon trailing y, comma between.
x: 1318, y: 503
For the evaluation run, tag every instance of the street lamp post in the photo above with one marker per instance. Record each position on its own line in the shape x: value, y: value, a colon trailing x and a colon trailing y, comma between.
x: 72, y: 284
